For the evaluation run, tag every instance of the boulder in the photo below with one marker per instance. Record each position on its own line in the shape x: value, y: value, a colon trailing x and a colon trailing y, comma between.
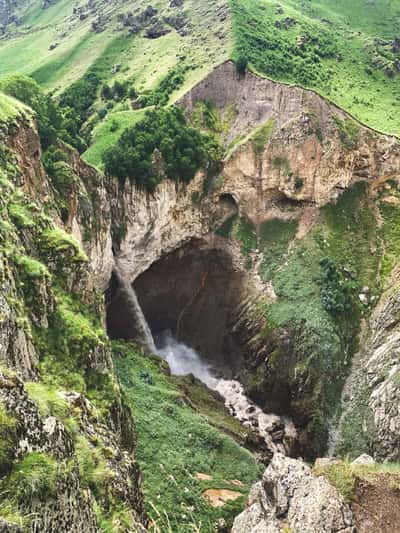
x: 291, y: 498
x: 156, y: 30
x: 363, y: 459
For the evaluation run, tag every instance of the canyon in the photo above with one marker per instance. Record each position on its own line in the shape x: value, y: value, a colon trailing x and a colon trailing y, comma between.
x: 233, y: 265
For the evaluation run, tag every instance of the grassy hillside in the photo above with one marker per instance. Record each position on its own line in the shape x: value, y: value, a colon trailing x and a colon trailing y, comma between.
x: 26, y: 47
x: 177, y: 443
x: 69, y: 41
x: 344, y: 50
x: 11, y: 108
x: 347, y: 51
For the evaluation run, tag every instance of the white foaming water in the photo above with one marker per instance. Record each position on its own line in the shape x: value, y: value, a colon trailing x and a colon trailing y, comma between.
x: 183, y: 360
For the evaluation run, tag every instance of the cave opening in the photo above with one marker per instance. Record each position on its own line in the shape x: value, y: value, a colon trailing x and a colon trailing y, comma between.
x: 192, y: 300
x: 194, y: 292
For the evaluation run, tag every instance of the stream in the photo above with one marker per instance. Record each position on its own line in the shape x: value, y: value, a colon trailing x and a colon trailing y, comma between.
x: 277, y: 432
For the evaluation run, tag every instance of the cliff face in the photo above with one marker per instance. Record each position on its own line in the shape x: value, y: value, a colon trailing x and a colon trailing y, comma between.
x: 67, y: 441
x: 295, y: 158
x: 288, y: 143
x: 307, y: 157
x: 371, y: 400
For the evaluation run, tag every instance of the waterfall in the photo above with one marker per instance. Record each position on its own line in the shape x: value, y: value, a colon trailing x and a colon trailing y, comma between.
x: 183, y: 360
x: 143, y: 332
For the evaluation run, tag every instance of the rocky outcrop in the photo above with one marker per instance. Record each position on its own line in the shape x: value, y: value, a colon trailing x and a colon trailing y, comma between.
x: 69, y: 506
x: 78, y: 451
x: 285, y: 142
x: 146, y: 226
x: 291, y: 498
x: 372, y: 395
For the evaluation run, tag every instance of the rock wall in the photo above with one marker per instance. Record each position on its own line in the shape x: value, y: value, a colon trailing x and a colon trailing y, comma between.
x: 67, y: 440
x: 371, y: 399
x: 309, y: 150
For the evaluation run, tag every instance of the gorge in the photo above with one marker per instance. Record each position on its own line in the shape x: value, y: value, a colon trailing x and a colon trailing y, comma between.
x: 199, y: 267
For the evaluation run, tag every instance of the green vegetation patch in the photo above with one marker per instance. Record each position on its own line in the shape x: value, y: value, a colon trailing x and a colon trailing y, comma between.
x: 350, y: 235
x: 344, y: 476
x: 107, y: 132
x: 34, y: 476
x: 8, y: 439
x: 274, y: 237
x: 349, y: 132
x: 390, y: 232
x: 174, y: 443
x: 160, y: 96
x: 58, y: 245
x: 317, y: 281
x: 245, y: 231
x: 341, y: 476
x: 261, y: 135
x: 344, y: 50
x: 183, y: 150
x: 10, y: 108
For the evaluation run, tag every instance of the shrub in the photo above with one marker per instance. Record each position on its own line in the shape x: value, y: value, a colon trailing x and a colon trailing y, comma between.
x: 102, y: 112
x: 93, y: 468
x: 262, y: 135
x: 241, y: 65
x: 114, y: 126
x: 160, y: 95
x: 7, y: 438
x: 106, y: 92
x: 80, y: 96
x: 28, y: 91
x: 57, y: 245
x: 35, y: 476
x: 276, y: 53
x: 336, y: 291
x: 349, y: 132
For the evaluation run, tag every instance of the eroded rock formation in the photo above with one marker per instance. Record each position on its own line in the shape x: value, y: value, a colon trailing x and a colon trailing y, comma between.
x: 307, y: 149
x: 371, y: 419
x: 291, y: 497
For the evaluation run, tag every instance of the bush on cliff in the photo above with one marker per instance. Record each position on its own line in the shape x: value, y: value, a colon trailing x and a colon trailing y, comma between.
x: 29, y: 92
x: 53, y: 121
x: 163, y: 132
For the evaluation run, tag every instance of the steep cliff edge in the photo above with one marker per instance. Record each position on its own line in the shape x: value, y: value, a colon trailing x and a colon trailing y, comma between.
x: 284, y: 141
x: 67, y: 439
x: 370, y: 421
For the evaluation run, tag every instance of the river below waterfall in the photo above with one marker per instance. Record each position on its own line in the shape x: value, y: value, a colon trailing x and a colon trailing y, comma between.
x: 278, y: 432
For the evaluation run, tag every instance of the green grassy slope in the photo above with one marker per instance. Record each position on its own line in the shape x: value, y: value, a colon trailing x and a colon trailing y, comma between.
x: 11, y: 108
x: 329, y: 46
x: 26, y: 47
x: 114, y: 54
x: 107, y: 132
x: 175, y: 443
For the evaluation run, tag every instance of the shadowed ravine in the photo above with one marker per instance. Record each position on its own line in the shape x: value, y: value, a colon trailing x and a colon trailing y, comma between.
x: 126, y: 319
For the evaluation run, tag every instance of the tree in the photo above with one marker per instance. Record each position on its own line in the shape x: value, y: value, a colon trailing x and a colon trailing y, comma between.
x: 241, y: 65
x: 183, y: 150
x: 29, y: 92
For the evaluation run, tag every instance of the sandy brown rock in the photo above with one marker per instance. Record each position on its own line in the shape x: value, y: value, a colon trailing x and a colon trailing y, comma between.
x: 306, y: 157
